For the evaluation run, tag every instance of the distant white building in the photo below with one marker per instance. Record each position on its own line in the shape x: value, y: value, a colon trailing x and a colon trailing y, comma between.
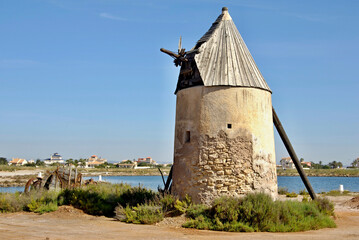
x: 54, y: 158
x: 31, y: 161
x: 126, y: 164
x: 287, y: 163
x: 17, y: 162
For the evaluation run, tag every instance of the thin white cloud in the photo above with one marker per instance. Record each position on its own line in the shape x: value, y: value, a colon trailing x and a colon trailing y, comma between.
x: 112, y: 17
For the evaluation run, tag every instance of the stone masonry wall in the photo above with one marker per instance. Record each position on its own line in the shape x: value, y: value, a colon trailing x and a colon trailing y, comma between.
x: 226, y: 167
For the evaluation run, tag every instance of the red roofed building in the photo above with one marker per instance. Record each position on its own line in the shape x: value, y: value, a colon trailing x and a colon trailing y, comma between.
x: 306, y: 164
x: 146, y: 160
x: 95, y: 161
x: 17, y: 162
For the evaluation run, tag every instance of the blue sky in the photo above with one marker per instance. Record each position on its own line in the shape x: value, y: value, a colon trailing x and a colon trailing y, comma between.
x: 87, y: 77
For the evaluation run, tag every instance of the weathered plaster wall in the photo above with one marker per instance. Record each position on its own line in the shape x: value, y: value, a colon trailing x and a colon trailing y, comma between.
x: 219, y: 160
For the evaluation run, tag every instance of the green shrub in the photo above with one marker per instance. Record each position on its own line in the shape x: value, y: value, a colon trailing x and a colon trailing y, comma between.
x: 102, y: 199
x: 282, y: 191
x: 167, y: 202
x: 226, y: 208
x: 181, y: 206
x: 41, y: 207
x: 306, y: 198
x: 144, y: 214
x: 303, y: 192
x: 336, y: 193
x: 258, y: 212
x: 170, y: 205
x: 137, y: 195
x: 45, y: 201
x: 12, y: 202
x: 154, y: 210
x: 35, y: 201
x: 5, y: 205
x: 291, y: 195
x: 196, y: 210
x: 325, y: 206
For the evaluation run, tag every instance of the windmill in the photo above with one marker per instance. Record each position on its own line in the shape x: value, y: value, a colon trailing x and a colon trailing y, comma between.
x: 224, y: 135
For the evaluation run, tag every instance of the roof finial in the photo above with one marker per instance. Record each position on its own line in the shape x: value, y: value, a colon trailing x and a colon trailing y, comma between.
x: 224, y: 9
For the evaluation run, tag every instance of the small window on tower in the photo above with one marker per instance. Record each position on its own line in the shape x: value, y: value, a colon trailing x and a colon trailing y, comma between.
x: 188, y: 137
x: 229, y: 125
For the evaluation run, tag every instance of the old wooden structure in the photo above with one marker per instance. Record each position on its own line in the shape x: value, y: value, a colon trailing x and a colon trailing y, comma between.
x: 224, y: 140
x: 59, y: 179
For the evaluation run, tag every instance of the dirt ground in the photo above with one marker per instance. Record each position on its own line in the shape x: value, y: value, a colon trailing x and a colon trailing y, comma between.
x: 19, y: 173
x: 16, y: 178
x: 71, y: 223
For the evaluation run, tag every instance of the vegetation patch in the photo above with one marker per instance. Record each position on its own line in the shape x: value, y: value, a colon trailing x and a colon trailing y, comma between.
x: 336, y: 193
x: 258, y: 212
x: 252, y: 213
x: 291, y: 195
x: 144, y: 213
x: 282, y: 190
x: 303, y: 192
x: 35, y: 201
x: 153, y: 211
x: 102, y: 199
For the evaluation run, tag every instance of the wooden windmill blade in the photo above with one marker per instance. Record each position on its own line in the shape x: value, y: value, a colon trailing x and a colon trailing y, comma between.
x: 180, y: 45
x: 179, y: 57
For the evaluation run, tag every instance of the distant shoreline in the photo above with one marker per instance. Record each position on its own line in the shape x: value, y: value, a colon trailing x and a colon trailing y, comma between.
x: 352, y: 172
x: 20, y: 176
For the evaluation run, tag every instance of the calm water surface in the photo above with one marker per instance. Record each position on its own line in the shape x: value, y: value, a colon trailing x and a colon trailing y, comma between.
x: 11, y: 189
x: 320, y: 184
x: 294, y: 184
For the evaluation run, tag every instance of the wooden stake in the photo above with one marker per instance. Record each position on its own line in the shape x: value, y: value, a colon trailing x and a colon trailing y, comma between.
x: 293, y: 155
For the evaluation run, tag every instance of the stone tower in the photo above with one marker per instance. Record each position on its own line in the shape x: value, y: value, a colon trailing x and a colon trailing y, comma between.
x: 224, y: 141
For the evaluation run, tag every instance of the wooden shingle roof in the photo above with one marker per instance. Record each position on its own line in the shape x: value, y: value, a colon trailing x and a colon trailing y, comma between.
x: 223, y: 58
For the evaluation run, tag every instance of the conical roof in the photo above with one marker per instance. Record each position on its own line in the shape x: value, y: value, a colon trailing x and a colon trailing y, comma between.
x: 223, y: 58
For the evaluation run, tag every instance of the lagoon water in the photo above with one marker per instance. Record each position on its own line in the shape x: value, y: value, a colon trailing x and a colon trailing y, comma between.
x: 320, y: 184
x: 11, y: 189
x: 294, y: 184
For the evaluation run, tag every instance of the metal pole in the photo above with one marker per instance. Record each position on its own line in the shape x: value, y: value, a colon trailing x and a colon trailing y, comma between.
x: 292, y: 154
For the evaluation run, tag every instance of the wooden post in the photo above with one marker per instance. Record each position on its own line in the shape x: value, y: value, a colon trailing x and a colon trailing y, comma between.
x: 69, y: 181
x: 169, y: 179
x: 57, y: 171
x: 163, y: 179
x: 55, y: 182
x: 75, y: 180
x: 292, y: 154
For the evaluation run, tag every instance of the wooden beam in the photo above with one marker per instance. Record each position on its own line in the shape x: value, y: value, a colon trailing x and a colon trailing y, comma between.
x: 292, y: 154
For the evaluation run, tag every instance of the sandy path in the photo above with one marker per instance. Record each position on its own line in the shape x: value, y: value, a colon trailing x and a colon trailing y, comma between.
x: 72, y: 224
